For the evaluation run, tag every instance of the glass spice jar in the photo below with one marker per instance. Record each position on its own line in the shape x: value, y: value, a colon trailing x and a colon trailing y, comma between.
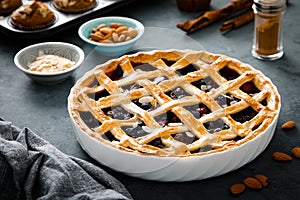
x: 268, y: 29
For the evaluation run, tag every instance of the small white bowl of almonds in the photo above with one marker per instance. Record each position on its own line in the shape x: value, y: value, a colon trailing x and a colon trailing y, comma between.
x: 111, y: 36
x: 49, y: 62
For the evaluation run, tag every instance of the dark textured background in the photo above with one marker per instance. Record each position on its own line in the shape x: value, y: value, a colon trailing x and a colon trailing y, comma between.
x: 44, y: 108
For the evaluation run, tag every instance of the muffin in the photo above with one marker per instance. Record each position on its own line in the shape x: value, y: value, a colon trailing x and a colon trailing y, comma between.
x: 72, y: 6
x: 32, y: 16
x: 193, y: 5
x: 7, y: 6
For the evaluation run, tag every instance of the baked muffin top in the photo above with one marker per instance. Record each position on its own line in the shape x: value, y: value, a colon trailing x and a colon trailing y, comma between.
x: 74, y: 5
x: 7, y: 6
x: 33, y: 15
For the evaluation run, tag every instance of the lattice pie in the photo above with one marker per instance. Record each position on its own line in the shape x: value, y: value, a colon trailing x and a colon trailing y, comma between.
x: 173, y: 103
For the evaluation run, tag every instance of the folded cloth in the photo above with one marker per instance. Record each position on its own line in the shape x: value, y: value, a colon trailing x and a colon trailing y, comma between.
x: 32, y: 168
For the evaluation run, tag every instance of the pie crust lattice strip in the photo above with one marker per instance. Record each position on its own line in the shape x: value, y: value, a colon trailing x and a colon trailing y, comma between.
x: 174, y: 103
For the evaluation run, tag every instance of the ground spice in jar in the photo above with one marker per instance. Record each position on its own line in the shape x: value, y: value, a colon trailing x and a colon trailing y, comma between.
x: 268, y: 37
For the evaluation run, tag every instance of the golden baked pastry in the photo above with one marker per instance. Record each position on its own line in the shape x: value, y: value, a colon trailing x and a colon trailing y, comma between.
x: 74, y: 5
x: 34, y: 15
x: 7, y: 6
x: 173, y: 103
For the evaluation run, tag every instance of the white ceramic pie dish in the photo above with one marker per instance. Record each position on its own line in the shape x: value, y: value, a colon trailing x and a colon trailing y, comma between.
x: 174, y: 168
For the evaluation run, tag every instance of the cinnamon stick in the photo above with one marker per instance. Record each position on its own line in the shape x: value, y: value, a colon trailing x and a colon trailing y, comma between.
x: 238, y: 21
x: 210, y: 17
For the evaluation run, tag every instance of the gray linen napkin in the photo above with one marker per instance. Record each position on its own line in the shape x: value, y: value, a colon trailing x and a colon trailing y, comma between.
x: 32, y: 168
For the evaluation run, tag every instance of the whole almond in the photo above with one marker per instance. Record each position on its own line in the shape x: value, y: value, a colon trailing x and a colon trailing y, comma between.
x: 105, y: 30
x: 288, y: 125
x: 100, y: 26
x: 262, y: 179
x: 252, y: 183
x: 95, y: 37
x: 122, y: 38
x: 237, y: 188
x: 115, y: 37
x: 115, y: 25
x: 132, y: 32
x: 296, y: 152
x: 283, y: 157
x: 121, y: 29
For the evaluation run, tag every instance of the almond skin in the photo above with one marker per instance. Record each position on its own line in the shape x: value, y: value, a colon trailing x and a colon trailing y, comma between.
x: 283, y: 157
x: 262, y: 179
x: 296, y: 152
x: 252, y: 183
x: 288, y: 125
x: 237, y: 188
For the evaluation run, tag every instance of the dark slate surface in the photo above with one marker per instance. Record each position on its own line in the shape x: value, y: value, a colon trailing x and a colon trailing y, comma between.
x: 44, y: 108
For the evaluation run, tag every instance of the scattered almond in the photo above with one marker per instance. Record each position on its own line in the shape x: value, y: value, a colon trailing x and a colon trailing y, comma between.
x: 283, y: 157
x: 237, y: 188
x: 262, y: 179
x: 288, y: 125
x: 252, y: 183
x: 296, y: 152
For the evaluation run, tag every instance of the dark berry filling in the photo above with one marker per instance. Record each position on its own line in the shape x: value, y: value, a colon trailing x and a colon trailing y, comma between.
x: 205, y: 148
x: 172, y: 118
x: 256, y: 127
x: 177, y: 93
x: 109, y: 136
x: 89, y: 119
x: 96, y: 96
x: 228, y: 74
x: 168, y: 62
x: 143, y: 66
x: 237, y: 138
x: 215, y: 126
x: 187, y: 69
x: 205, y: 84
x: 117, y: 112
x: 198, y: 110
x: 157, y: 143
x: 249, y: 88
x: 140, y: 130
x: 264, y: 102
x: 202, y: 149
x: 167, y: 118
x: 244, y: 115
x: 117, y: 74
x: 184, y: 137
x: 226, y: 100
